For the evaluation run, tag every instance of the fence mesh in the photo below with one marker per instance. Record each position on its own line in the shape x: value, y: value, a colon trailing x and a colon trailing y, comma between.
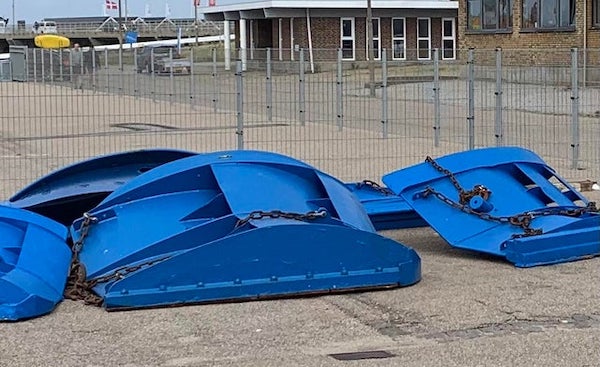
x: 341, y: 116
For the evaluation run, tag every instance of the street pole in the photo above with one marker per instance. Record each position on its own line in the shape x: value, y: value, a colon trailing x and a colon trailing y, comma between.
x: 14, y: 30
x: 370, y: 52
x: 196, y: 20
x: 126, y: 11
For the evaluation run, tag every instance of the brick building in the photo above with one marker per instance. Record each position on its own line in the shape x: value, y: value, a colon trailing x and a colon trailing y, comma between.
x: 535, y: 26
x: 407, y: 29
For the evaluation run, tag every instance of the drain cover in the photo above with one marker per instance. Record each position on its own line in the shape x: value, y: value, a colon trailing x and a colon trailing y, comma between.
x: 354, y: 356
x: 138, y: 126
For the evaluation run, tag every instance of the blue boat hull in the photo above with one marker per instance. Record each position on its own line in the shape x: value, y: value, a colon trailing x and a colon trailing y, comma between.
x: 64, y: 195
x: 234, y: 226
x: 34, y: 263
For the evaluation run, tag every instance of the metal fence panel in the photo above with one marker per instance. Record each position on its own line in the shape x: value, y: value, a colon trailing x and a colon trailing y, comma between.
x: 327, y: 117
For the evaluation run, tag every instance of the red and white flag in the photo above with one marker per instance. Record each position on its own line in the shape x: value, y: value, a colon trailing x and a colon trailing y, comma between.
x: 111, y: 5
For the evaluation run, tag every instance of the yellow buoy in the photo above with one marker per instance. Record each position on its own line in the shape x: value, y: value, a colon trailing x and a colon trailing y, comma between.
x: 51, y: 41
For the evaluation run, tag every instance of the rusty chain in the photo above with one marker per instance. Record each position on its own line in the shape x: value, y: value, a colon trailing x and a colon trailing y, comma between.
x: 80, y: 289
x: 374, y: 186
x: 274, y: 214
x: 464, y: 196
x: 77, y: 287
x: 522, y: 220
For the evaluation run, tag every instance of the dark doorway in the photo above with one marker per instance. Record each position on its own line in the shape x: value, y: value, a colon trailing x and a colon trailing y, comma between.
x: 263, y: 29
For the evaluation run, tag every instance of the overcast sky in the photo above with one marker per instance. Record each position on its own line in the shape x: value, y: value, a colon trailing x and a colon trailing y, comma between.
x: 32, y: 10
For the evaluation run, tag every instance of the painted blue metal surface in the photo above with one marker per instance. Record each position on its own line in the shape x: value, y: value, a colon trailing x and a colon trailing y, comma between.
x: 34, y: 263
x: 551, y: 221
x: 235, y: 226
x: 65, y: 194
x: 386, y: 210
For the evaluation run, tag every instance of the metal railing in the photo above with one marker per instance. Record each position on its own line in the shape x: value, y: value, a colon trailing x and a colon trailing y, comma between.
x: 65, y: 111
x: 111, y: 26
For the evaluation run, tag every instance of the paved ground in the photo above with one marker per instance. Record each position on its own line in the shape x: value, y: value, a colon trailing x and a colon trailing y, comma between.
x: 468, y: 310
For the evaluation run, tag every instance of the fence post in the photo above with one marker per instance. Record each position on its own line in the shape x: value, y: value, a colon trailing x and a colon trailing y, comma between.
x: 171, y: 81
x: 269, y: 88
x: 93, y: 51
x: 121, y: 76
x: 339, y: 92
x: 43, y: 66
x: 137, y: 72
x: 215, y: 77
x: 471, y: 99
x: 52, y: 66
x: 239, y: 86
x: 153, y: 76
x: 436, y: 97
x: 34, y: 65
x: 498, y: 118
x: 574, y: 109
x: 107, y: 71
x: 384, y: 95
x: 301, y: 88
x: 192, y: 85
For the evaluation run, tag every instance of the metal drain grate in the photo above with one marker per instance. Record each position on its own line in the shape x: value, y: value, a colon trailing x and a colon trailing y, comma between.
x: 136, y: 126
x: 355, y: 356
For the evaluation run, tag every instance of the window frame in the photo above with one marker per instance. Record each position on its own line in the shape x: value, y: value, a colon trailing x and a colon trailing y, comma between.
x: 403, y: 39
x: 449, y: 38
x: 348, y: 38
x: 538, y: 27
x: 428, y: 39
x: 499, y: 29
x: 596, y: 13
x: 378, y: 39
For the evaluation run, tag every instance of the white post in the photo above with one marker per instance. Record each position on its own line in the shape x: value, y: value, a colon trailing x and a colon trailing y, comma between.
x: 251, y: 39
x: 243, y: 43
x: 280, y: 35
x: 310, y: 49
x: 227, y: 45
x: 292, y: 39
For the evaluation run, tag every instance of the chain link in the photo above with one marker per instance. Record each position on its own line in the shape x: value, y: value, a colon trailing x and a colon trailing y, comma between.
x: 464, y: 196
x: 274, y: 214
x: 80, y: 289
x: 374, y: 186
x: 77, y: 287
x: 522, y: 220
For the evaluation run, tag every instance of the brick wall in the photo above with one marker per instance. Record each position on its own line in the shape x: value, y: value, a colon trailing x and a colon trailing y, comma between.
x: 326, y: 36
x: 529, y: 48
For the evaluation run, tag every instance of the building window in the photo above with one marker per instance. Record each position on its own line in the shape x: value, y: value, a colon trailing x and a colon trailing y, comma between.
x: 423, y: 38
x: 448, y: 39
x: 399, y: 38
x: 548, y: 14
x: 376, y: 39
x: 347, y: 39
x: 596, y: 12
x: 489, y: 15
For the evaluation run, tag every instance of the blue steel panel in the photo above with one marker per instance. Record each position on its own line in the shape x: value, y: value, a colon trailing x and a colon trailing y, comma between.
x: 174, y: 234
x: 520, y: 183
